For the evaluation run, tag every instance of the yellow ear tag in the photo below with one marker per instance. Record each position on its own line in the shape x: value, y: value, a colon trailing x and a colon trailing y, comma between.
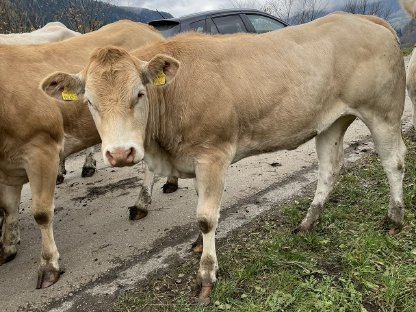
x: 160, y: 79
x: 69, y: 95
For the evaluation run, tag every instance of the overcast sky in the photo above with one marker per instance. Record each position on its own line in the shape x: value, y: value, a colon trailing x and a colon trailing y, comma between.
x: 178, y: 7
x: 182, y: 7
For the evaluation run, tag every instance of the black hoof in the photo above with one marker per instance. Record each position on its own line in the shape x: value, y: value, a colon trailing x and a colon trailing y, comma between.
x: 390, y: 226
x: 47, y: 276
x: 137, y: 213
x: 60, y: 179
x: 169, y: 188
x: 87, y: 172
x: 297, y: 230
x: 6, y: 258
x: 302, y: 229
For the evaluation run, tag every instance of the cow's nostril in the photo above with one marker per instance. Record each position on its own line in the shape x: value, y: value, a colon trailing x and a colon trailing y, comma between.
x: 131, y: 154
x: 108, y: 155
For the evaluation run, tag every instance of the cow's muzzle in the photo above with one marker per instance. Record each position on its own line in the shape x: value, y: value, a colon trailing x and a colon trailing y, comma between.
x: 120, y: 157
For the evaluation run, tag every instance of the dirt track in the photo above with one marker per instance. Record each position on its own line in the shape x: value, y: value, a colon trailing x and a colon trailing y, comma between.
x: 104, y: 253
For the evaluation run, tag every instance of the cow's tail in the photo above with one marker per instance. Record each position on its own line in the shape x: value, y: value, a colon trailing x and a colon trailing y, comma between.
x: 409, y: 6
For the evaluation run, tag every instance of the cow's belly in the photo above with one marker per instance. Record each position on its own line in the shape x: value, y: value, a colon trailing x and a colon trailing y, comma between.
x: 162, y: 165
x: 289, y: 136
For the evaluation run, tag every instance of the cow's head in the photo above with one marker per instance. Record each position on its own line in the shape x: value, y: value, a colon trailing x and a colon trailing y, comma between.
x: 115, y: 86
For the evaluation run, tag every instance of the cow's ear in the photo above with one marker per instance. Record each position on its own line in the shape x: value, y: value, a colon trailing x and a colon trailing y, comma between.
x: 64, y: 87
x: 160, y: 70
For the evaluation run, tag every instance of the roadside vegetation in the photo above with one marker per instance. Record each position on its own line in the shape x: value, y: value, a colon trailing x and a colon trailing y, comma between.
x: 347, y: 263
x: 407, y: 51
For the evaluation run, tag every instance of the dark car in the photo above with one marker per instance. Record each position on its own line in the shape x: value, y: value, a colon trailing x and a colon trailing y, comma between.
x: 220, y: 22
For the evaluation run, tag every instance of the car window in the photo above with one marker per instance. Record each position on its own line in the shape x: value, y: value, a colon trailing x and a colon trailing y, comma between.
x: 229, y: 24
x: 167, y: 29
x: 212, y: 29
x: 264, y: 24
x: 198, y: 26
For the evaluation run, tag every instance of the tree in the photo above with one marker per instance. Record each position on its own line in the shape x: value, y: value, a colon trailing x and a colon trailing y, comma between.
x: 309, y: 10
x: 15, y: 16
x: 86, y: 15
x: 291, y: 11
x: 283, y: 9
x: 368, y: 7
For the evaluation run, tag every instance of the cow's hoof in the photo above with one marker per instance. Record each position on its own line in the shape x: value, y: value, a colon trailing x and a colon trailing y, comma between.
x: 60, y: 179
x: 136, y: 213
x: 301, y: 229
x: 87, y: 172
x: 169, y: 188
x: 6, y: 257
x: 198, y: 246
x: 305, y: 226
x: 204, y: 295
x: 47, y: 276
x: 390, y: 226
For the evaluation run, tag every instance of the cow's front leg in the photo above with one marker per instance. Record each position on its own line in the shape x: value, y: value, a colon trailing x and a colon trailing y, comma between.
x: 9, y: 205
x: 90, y: 164
x: 139, y: 210
x: 210, y: 187
x: 42, y: 169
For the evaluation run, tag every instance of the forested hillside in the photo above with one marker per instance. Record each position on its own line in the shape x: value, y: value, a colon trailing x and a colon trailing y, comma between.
x: 79, y: 15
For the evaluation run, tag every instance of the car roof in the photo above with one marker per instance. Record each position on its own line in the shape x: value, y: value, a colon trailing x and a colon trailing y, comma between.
x: 200, y: 15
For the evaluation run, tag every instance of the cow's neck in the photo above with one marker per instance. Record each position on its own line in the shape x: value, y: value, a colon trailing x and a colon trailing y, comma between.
x: 78, y: 123
x: 163, y: 132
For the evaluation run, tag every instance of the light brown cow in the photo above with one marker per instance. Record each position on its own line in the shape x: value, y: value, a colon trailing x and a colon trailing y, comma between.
x: 194, y: 104
x: 410, y: 7
x: 33, y: 128
x: 51, y: 32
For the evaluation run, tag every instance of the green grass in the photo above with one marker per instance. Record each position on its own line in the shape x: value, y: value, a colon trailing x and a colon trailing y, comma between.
x: 407, y: 51
x: 347, y: 263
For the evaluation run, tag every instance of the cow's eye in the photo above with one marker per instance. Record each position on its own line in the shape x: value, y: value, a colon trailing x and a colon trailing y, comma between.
x: 140, y: 95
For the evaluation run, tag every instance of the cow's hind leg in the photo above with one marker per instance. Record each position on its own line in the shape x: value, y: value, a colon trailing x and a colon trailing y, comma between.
x: 61, y: 172
x: 90, y: 164
x: 42, y: 168
x: 330, y: 151
x: 140, y: 208
x: 171, y: 185
x: 9, y: 204
x: 392, y: 151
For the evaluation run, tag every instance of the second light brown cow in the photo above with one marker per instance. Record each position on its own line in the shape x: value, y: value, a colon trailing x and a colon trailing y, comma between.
x: 194, y: 104
x: 34, y: 128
